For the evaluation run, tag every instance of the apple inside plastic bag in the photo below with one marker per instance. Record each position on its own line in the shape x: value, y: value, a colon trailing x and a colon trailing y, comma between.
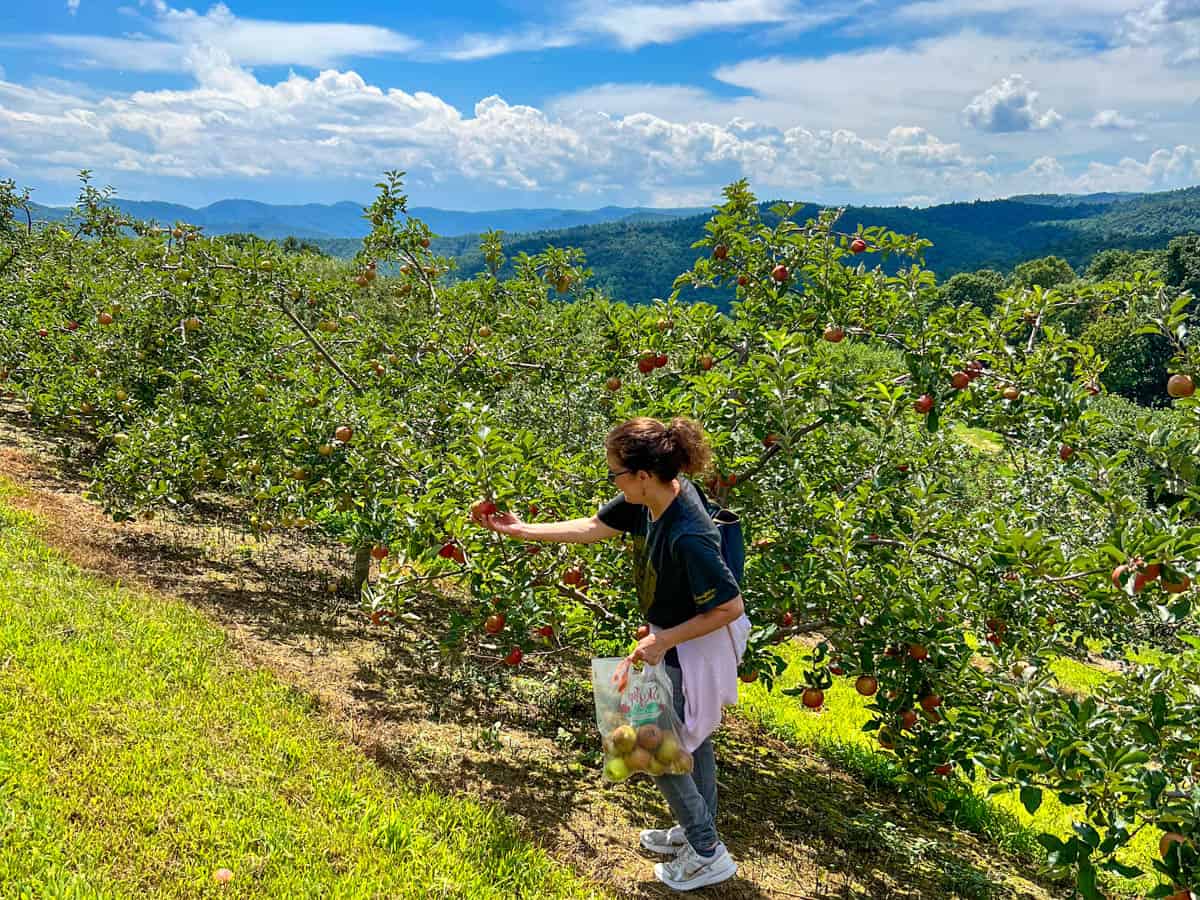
x: 635, y: 713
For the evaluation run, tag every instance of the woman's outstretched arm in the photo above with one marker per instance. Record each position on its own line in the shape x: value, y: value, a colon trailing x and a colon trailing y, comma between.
x: 587, y: 530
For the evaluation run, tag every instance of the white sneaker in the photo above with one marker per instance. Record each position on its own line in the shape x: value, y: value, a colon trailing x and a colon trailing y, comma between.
x: 664, y: 840
x: 689, y: 870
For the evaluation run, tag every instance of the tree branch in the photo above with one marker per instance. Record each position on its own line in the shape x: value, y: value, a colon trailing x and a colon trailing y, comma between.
x: 320, y: 349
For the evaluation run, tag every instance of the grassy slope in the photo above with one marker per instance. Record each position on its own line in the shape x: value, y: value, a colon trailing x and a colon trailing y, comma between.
x: 137, y: 756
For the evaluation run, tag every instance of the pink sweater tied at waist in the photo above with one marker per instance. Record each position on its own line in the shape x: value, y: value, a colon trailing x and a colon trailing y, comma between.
x: 710, y: 678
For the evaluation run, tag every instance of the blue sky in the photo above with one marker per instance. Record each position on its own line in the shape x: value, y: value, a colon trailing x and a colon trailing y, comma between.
x: 584, y: 103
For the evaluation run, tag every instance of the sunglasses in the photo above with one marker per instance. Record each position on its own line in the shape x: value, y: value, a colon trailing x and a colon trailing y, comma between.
x: 613, y: 476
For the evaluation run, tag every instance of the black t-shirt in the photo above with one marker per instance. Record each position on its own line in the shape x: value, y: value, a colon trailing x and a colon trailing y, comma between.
x: 678, y: 567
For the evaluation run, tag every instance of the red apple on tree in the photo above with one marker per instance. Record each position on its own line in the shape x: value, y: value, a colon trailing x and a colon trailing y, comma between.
x: 834, y: 334
x: 494, y: 624
x: 923, y: 404
x: 1176, y: 585
x: 514, y: 657
x: 1065, y: 452
x: 379, y: 552
x: 918, y: 651
x: 813, y: 698
x: 866, y: 685
x: 613, y: 383
x: 573, y: 575
x: 720, y: 251
x: 858, y: 245
x: 482, y: 509
x: 344, y: 433
x: 960, y: 381
x: 1180, y: 385
x: 1168, y: 840
x: 706, y: 362
x: 780, y: 273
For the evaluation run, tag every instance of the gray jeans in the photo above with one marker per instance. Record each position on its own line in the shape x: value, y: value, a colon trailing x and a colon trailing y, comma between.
x: 693, y: 797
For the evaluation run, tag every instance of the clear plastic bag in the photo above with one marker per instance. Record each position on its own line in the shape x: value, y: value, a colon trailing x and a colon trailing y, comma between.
x: 635, y: 712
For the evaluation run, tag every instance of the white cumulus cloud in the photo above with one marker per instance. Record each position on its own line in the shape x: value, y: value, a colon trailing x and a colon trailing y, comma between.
x: 1173, y: 25
x: 1009, y: 105
x: 1112, y: 120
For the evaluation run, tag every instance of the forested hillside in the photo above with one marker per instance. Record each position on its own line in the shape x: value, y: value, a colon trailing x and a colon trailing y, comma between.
x: 638, y: 261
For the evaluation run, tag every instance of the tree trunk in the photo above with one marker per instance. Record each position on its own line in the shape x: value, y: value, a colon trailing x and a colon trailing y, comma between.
x: 362, y: 568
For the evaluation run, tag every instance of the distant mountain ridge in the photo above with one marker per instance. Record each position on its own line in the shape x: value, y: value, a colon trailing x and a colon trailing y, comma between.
x: 345, y: 219
x: 636, y: 252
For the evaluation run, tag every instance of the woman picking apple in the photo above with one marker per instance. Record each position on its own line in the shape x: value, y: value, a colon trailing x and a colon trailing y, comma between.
x: 693, y: 604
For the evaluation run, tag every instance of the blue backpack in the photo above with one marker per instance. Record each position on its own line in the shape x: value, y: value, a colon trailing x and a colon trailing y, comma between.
x: 733, y: 543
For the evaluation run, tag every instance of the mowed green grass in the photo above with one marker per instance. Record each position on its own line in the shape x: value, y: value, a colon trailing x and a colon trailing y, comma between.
x: 137, y: 757
x: 836, y: 733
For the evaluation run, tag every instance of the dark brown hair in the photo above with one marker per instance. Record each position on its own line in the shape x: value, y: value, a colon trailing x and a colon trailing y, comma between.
x: 647, y: 445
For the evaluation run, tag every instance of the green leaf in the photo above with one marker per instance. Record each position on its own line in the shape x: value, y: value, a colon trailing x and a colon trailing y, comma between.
x: 1132, y: 758
x: 1086, y: 833
x: 1031, y: 798
x: 1086, y: 881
